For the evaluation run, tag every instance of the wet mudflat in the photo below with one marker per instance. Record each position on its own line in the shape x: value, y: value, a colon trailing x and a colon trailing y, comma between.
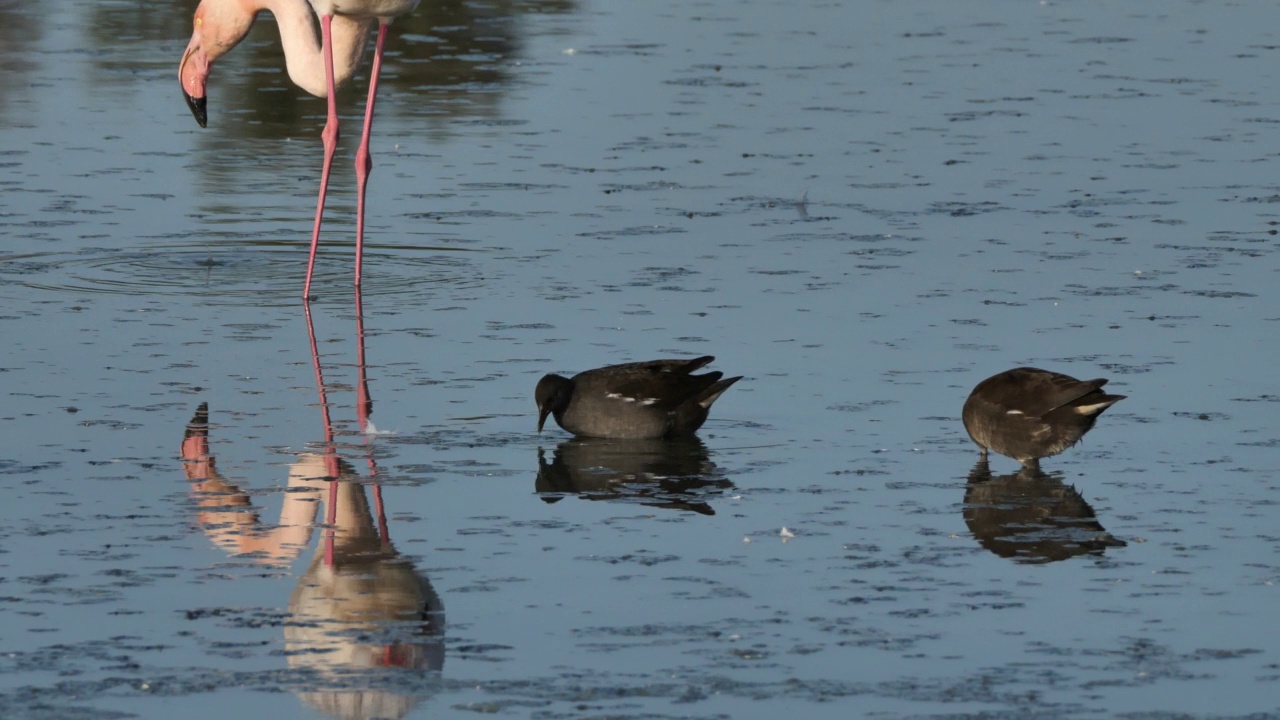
x: 218, y: 503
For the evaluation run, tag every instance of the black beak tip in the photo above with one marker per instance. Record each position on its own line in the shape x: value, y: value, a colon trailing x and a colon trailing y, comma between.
x: 198, y: 108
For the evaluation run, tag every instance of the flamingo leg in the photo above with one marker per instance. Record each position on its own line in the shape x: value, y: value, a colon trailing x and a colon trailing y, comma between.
x: 383, y: 533
x: 332, y: 469
x: 364, y: 403
x: 364, y: 163
x: 364, y: 407
x: 329, y: 136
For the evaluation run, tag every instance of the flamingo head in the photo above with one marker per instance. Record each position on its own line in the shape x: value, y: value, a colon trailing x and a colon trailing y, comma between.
x: 219, y: 25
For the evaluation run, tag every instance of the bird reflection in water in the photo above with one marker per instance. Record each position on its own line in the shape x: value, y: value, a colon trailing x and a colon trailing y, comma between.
x: 359, y: 607
x: 366, y: 609
x: 1031, y: 516
x: 671, y: 474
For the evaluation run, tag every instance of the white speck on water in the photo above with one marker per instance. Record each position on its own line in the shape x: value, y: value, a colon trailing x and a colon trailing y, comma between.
x: 371, y: 429
x: 785, y: 533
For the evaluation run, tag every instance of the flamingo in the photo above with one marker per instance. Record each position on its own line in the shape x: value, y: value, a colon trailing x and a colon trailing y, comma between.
x: 317, y: 68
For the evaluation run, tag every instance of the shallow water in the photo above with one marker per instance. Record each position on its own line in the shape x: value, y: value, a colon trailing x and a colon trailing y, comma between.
x: 865, y: 210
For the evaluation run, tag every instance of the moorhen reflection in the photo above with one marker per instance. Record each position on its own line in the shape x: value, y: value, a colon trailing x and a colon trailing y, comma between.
x: 1031, y: 516
x: 672, y: 474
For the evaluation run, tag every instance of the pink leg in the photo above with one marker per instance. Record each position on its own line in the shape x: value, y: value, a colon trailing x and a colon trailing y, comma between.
x: 364, y: 403
x: 331, y: 517
x: 320, y: 388
x: 363, y: 162
x: 383, y: 533
x: 328, y: 547
x: 330, y: 139
x: 332, y: 469
x: 364, y: 408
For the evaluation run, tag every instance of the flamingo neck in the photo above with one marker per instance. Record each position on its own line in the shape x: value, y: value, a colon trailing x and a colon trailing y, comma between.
x: 302, y: 52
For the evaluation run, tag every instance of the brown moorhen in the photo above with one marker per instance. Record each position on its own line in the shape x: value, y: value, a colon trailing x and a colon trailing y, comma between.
x: 641, y: 400
x: 1027, y: 413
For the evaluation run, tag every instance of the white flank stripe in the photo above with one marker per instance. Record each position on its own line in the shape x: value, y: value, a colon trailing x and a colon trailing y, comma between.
x: 1091, y: 409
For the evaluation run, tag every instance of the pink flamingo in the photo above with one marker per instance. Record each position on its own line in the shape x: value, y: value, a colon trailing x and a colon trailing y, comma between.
x: 344, y: 27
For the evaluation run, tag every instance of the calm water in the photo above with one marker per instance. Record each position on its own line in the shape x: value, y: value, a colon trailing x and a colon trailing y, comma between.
x: 865, y: 210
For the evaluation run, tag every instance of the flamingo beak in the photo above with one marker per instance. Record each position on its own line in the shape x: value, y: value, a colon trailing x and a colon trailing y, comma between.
x: 192, y: 73
x: 543, y: 412
x: 197, y: 106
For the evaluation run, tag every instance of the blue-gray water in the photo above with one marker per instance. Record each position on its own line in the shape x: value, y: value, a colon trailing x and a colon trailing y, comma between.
x: 864, y: 208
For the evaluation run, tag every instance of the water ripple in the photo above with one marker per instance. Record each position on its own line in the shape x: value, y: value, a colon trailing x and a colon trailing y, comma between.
x: 245, y: 273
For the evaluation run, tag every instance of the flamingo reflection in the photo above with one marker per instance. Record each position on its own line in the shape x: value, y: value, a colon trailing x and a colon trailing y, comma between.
x: 359, y: 606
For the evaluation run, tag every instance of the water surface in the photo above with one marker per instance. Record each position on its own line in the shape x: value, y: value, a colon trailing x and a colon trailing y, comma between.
x: 865, y: 210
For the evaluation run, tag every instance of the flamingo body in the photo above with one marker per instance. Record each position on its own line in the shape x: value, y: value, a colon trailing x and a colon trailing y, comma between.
x: 316, y: 67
